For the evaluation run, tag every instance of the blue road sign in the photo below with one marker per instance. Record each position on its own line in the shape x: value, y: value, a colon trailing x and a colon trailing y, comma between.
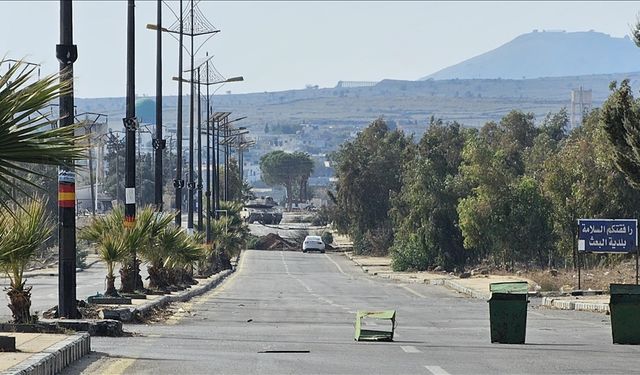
x: 607, y: 235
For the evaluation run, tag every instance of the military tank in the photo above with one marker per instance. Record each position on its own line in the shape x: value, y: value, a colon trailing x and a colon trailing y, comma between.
x: 263, y: 210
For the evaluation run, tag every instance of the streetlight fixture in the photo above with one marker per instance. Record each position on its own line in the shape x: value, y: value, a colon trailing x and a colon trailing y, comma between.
x: 216, y: 118
x: 227, y: 134
x: 198, y: 26
x: 211, y: 77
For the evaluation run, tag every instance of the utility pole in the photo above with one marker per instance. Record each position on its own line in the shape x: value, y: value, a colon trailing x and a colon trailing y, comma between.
x: 200, y: 219
x: 178, y: 183
x: 67, y: 54
x: 191, y: 184
x: 131, y: 125
x: 159, y: 144
x: 208, y: 192
x: 217, y: 167
x: 226, y: 160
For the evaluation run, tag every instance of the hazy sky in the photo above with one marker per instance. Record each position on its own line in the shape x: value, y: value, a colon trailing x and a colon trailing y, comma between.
x: 286, y: 45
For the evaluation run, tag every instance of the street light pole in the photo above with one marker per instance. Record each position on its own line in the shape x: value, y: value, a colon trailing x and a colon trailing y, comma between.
x: 208, y: 192
x: 67, y: 54
x: 226, y: 160
x: 191, y: 183
x: 178, y: 183
x: 130, y: 124
x: 217, y: 166
x: 200, y: 219
x: 158, y: 143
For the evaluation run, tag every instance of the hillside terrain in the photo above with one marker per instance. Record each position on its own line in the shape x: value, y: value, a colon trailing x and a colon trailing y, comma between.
x: 407, y: 103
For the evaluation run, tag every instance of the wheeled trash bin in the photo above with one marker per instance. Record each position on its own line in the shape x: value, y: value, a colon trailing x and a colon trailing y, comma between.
x: 624, y: 305
x: 508, y: 312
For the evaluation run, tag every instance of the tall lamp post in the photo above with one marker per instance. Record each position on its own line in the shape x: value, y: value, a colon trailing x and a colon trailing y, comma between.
x: 217, y: 118
x: 130, y: 125
x: 207, y: 76
x: 229, y: 135
x: 159, y: 144
x: 67, y: 54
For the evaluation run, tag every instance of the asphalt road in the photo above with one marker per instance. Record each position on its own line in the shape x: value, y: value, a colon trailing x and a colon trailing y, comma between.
x: 293, y: 313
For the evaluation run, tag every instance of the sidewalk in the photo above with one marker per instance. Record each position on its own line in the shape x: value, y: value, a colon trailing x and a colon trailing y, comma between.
x: 40, y: 353
x: 475, y: 286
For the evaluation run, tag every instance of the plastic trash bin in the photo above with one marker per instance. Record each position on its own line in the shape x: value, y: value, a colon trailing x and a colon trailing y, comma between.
x: 624, y: 305
x: 508, y: 312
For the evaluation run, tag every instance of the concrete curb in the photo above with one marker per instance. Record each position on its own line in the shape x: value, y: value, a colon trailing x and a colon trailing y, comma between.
x: 468, y: 291
x: 94, y: 327
x: 129, y: 314
x: 53, y: 359
x: 564, y: 304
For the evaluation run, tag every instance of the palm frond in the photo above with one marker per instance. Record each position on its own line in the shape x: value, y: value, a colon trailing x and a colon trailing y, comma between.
x: 26, y: 136
x: 21, y: 233
x: 112, y: 250
x: 187, y: 252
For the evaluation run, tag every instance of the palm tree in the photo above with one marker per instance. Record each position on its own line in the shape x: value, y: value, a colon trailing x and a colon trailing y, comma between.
x: 22, y: 232
x: 162, y: 238
x: 26, y: 135
x: 168, y: 240
x: 112, y: 251
x: 188, y: 251
x: 108, y: 233
x: 229, y: 235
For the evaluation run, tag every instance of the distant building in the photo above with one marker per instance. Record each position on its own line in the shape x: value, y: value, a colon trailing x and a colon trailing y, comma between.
x: 351, y: 84
x: 581, y: 101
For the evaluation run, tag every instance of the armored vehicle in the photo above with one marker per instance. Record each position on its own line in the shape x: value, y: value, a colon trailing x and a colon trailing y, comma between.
x: 263, y: 210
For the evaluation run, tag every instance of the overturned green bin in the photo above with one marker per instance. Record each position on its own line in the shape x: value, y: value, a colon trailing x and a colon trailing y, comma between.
x: 508, y: 312
x: 624, y: 305
x: 363, y: 331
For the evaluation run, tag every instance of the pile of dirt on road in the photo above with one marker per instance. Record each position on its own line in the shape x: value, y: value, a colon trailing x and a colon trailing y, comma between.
x: 273, y: 241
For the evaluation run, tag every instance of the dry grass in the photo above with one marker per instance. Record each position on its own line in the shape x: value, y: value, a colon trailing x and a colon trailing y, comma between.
x: 597, y: 278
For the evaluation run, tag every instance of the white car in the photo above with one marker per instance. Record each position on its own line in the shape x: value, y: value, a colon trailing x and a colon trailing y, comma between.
x: 312, y: 243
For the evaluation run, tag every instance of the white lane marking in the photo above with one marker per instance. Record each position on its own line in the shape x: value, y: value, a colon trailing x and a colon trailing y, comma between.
x: 286, y: 266
x: 412, y: 291
x: 334, y: 262
x: 410, y: 349
x: 436, y: 370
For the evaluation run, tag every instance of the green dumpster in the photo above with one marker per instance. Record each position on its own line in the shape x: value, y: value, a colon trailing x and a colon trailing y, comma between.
x: 508, y: 312
x: 624, y: 305
x: 366, y: 333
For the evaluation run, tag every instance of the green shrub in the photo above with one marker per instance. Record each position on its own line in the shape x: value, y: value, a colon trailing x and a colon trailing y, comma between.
x: 81, y: 258
x: 251, y: 241
x: 409, y: 254
x: 327, y: 238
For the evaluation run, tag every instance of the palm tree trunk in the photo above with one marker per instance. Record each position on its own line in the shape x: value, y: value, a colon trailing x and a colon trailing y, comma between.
x: 20, y: 304
x: 111, y: 287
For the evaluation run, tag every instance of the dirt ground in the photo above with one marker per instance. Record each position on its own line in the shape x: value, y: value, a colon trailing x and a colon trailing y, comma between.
x: 597, y: 278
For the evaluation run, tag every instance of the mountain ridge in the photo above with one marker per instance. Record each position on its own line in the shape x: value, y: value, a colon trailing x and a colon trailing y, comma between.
x: 541, y: 54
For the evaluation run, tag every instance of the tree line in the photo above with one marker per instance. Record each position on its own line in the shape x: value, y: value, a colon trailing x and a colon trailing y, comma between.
x: 509, y: 193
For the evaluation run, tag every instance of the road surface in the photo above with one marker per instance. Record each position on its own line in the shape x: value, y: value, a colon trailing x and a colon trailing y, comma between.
x: 293, y: 313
